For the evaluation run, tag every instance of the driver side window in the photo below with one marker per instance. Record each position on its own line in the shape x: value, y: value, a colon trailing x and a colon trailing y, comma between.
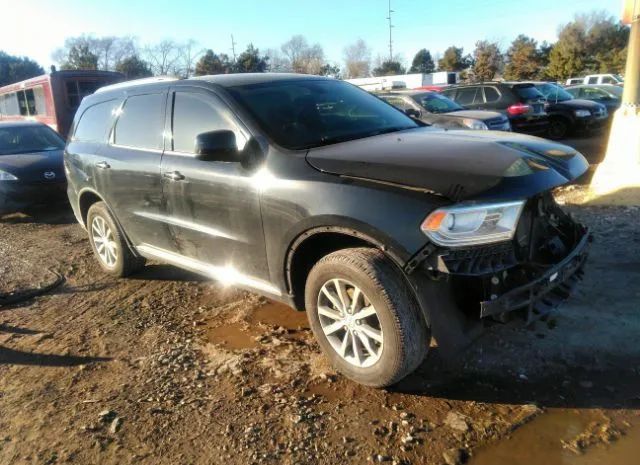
x: 195, y: 113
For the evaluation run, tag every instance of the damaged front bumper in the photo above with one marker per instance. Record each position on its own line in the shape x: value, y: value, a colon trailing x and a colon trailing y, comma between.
x: 545, y: 292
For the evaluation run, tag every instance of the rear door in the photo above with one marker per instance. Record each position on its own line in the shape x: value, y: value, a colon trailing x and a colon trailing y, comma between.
x: 128, y: 168
x: 212, y: 207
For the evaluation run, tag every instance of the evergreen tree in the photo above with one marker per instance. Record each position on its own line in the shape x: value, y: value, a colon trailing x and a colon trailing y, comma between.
x: 134, y: 68
x: 422, y: 62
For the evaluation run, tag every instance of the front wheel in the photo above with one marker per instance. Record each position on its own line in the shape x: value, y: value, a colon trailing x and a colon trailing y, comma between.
x: 364, y: 317
x: 558, y: 128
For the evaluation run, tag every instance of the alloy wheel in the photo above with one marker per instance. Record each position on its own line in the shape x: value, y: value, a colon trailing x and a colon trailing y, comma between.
x: 350, y: 322
x: 104, y: 242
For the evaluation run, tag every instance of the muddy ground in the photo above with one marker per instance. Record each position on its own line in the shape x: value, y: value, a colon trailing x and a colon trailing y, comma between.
x: 165, y: 368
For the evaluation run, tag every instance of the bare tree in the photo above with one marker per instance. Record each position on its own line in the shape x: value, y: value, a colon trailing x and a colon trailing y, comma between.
x: 357, y: 59
x: 302, y: 57
x: 163, y: 57
x: 189, y: 53
x: 109, y: 50
x: 278, y: 63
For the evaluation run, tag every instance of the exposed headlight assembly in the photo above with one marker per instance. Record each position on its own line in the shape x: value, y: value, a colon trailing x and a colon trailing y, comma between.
x: 474, y: 124
x: 582, y: 113
x: 4, y: 176
x: 462, y: 225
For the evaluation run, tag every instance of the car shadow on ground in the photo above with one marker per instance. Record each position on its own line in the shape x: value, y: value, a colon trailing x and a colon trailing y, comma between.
x: 17, y: 357
x: 162, y: 272
x: 54, y: 214
x: 10, y: 356
x: 568, y: 386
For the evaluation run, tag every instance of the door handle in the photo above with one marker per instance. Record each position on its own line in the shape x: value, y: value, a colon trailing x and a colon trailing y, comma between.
x: 103, y: 165
x: 174, y: 175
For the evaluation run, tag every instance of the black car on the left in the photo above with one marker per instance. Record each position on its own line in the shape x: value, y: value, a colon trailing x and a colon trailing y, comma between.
x: 31, y: 165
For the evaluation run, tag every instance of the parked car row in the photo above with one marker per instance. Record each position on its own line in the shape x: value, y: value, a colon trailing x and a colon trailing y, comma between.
x: 539, y: 108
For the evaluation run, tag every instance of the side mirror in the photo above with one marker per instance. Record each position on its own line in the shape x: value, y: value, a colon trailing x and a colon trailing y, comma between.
x: 413, y: 113
x: 217, y: 146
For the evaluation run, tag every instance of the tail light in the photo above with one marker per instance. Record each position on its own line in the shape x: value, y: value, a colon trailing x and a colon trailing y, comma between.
x: 518, y: 109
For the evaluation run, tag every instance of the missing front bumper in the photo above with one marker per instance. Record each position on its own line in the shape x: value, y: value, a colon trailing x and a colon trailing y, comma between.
x: 545, y: 292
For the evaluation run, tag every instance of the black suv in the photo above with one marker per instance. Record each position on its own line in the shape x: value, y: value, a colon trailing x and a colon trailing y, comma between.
x: 314, y: 192
x: 568, y: 114
x: 435, y: 109
x: 522, y: 103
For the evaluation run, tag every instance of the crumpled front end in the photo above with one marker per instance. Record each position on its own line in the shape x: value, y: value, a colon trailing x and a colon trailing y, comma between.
x: 532, y: 273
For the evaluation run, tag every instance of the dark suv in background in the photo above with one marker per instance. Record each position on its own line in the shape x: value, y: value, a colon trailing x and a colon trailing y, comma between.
x: 314, y: 192
x: 521, y: 103
x: 436, y: 109
x: 569, y: 115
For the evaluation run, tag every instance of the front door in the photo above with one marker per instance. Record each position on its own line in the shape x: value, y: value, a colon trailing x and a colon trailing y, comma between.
x: 213, y: 207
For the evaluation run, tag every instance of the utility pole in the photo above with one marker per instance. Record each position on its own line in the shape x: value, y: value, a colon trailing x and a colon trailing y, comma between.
x: 233, y: 48
x: 390, y: 27
x: 617, y: 179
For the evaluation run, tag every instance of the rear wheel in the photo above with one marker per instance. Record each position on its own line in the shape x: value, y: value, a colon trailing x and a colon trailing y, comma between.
x: 108, y: 244
x: 364, y: 317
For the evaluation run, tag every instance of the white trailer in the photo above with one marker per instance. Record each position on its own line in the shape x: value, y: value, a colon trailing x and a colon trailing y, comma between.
x: 408, y: 81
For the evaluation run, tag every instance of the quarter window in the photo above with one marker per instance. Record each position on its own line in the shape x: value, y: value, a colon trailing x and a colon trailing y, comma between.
x: 195, y: 113
x: 95, y: 122
x: 141, y: 121
x: 491, y: 95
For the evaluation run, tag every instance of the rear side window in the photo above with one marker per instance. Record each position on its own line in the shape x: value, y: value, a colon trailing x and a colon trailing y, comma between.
x: 196, y: 113
x: 95, y: 122
x: 141, y: 122
x: 592, y: 80
x: 527, y: 92
x: 491, y: 95
x: 466, y: 96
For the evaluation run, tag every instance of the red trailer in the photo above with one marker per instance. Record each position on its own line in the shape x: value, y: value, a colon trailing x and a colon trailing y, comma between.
x: 52, y: 98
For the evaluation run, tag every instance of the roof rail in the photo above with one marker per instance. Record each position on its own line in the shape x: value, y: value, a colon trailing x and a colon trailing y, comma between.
x: 136, y: 82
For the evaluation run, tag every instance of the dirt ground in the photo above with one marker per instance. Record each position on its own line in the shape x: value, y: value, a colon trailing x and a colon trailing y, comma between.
x: 165, y: 368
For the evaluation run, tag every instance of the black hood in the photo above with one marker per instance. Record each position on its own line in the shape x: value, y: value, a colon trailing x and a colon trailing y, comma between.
x: 458, y: 165
x: 573, y: 104
x: 31, y: 167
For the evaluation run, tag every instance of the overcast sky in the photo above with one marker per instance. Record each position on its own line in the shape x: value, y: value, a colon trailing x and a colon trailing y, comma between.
x: 36, y: 27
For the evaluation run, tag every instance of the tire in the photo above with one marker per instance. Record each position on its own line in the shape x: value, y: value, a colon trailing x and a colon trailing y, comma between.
x: 115, y: 258
x: 404, y: 339
x: 558, y: 128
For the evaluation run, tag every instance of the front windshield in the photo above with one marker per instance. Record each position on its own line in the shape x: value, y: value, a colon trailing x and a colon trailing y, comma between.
x: 553, y: 92
x: 28, y: 139
x: 436, y: 103
x: 305, y: 113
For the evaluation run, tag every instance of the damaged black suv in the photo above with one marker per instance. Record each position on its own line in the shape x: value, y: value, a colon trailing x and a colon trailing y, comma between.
x: 315, y: 193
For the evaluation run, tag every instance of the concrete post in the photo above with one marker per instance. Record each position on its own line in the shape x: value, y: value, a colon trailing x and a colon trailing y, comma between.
x: 617, y: 179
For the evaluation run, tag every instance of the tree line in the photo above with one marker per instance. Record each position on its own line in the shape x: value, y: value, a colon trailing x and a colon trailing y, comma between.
x: 592, y: 42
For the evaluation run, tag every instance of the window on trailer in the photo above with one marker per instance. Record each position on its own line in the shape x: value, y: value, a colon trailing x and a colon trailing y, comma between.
x: 9, y: 104
x: 78, y: 89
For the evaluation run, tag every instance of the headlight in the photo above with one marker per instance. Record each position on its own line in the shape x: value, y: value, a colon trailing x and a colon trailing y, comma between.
x: 582, y: 113
x: 461, y: 225
x: 4, y: 176
x: 474, y: 124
